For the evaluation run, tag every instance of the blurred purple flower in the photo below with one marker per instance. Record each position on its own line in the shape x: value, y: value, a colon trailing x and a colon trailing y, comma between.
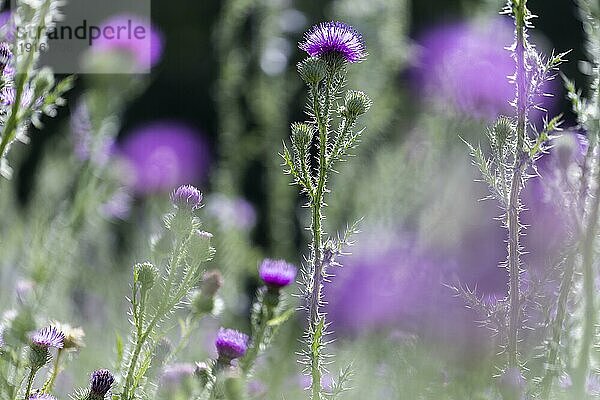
x: 118, y: 206
x: 334, y: 37
x: 232, y: 212
x: 165, y: 154
x: 466, y: 64
x: 174, y: 373
x: 146, y: 48
x: 98, y: 150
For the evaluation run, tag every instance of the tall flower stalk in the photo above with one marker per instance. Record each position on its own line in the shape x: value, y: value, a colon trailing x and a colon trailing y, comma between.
x: 519, y: 10
x: 514, y: 150
x: 331, y: 46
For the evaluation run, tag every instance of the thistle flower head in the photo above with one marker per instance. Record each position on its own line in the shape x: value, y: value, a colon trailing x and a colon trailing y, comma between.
x: 47, y: 337
x: 231, y: 344
x: 100, y: 383
x: 277, y: 273
x: 186, y: 196
x: 334, y: 38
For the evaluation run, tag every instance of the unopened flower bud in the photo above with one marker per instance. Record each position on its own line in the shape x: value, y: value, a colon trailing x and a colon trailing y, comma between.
x: 357, y: 103
x: 302, y: 135
x: 503, y: 129
x: 312, y: 70
x: 145, y: 275
x: 212, y: 281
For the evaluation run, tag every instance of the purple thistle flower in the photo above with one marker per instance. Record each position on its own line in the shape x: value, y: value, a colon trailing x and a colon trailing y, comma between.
x: 100, y: 383
x: 277, y: 273
x: 231, y: 344
x: 337, y: 38
x: 47, y: 337
x: 186, y: 196
x: 41, y: 396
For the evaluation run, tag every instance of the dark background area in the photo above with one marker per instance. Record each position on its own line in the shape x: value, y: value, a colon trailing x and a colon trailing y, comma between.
x: 183, y: 84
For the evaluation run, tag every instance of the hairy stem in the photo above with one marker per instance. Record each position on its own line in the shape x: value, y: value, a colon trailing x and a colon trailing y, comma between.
x: 49, y: 385
x: 514, y: 201
x: 30, y: 379
x: 322, y: 120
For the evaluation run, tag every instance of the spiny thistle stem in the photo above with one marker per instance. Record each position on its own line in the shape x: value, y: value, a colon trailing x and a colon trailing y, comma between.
x: 49, y: 385
x: 316, y: 228
x: 513, y: 224
x: 30, y: 379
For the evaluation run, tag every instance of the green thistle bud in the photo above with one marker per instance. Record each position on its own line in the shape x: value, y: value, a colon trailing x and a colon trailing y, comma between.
x: 145, y: 275
x: 312, y: 70
x: 302, y: 135
x: 357, y: 103
x: 502, y: 130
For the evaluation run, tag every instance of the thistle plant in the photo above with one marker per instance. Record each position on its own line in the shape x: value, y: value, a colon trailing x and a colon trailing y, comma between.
x: 515, y: 150
x: 331, y: 46
x: 582, y: 197
x: 156, y: 295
